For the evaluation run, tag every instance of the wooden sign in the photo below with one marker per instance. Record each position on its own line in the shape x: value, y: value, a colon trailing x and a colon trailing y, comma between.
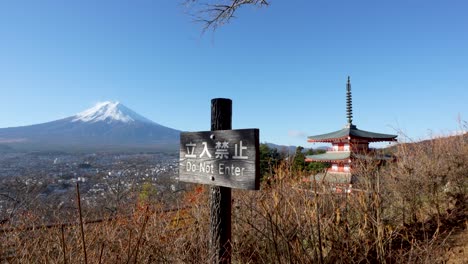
x: 228, y: 158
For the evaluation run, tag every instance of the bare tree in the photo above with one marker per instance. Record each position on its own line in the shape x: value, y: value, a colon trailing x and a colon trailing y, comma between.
x: 214, y: 13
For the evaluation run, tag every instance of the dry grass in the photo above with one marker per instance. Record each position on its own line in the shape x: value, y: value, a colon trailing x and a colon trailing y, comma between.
x: 405, y: 212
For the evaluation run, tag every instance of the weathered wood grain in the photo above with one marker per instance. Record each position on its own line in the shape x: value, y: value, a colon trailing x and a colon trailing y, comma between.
x: 236, y: 166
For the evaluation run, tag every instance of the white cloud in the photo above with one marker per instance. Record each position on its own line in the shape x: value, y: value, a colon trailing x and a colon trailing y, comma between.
x: 296, y: 134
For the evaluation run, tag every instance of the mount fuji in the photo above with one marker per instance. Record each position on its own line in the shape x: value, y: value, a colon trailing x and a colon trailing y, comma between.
x: 106, y: 126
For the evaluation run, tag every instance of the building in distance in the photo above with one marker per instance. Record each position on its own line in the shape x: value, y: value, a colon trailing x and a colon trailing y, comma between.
x: 349, y: 145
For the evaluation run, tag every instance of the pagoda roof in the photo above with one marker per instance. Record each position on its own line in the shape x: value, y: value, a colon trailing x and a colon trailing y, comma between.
x: 344, y: 156
x: 351, y: 131
x: 329, y: 156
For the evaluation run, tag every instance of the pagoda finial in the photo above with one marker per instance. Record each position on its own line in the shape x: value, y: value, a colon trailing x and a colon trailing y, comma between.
x: 349, y: 103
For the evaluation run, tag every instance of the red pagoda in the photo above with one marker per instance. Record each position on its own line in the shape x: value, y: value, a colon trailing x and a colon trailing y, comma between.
x: 348, y: 144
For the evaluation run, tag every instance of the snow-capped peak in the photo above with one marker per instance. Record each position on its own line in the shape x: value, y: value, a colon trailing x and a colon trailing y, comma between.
x: 109, y: 112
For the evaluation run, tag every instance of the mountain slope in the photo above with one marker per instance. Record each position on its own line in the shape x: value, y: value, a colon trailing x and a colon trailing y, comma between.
x: 104, y: 126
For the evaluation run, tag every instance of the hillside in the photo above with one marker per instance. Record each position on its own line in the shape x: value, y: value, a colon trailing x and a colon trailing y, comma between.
x: 410, y: 211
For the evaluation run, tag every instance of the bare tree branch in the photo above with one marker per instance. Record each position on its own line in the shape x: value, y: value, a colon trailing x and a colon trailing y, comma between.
x: 215, y: 13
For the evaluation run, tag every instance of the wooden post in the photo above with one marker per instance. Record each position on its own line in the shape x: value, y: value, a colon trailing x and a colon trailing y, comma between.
x: 78, y: 198
x: 220, y: 197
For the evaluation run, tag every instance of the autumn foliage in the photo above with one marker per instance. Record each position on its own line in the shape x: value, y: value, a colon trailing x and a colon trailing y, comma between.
x: 403, y: 212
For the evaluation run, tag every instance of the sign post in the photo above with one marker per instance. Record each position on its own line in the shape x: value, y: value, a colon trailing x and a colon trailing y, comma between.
x: 225, y: 159
x: 220, y: 197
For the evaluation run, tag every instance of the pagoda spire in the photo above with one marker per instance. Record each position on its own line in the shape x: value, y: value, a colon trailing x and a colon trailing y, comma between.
x: 349, y: 103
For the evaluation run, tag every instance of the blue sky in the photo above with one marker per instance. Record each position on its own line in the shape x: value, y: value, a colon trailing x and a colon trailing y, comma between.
x: 285, y: 66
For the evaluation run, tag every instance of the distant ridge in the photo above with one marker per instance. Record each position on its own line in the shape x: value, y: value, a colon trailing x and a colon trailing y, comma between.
x: 106, y: 126
x: 289, y: 149
x: 292, y: 149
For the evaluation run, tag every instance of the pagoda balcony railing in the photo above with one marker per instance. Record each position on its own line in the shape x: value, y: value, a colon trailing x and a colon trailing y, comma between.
x: 337, y: 150
x: 369, y: 150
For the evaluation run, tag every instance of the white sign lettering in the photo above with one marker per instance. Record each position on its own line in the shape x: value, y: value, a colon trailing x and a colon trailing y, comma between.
x: 190, y: 150
x: 241, y: 148
x: 205, y: 150
x: 227, y: 158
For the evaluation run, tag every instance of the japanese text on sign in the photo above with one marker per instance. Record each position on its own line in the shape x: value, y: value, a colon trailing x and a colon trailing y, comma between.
x: 224, y: 157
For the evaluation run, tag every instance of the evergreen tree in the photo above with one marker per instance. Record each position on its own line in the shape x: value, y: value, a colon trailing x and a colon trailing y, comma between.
x: 299, y: 163
x: 269, y: 159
